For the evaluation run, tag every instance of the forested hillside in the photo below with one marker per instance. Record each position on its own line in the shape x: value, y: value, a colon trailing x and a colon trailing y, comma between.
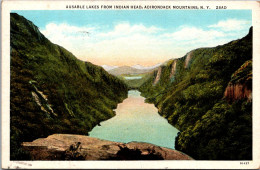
x: 207, y: 95
x: 52, y: 91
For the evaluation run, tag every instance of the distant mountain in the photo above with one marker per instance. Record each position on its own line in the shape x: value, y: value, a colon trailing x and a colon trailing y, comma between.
x: 106, y: 67
x: 136, y: 69
x: 145, y: 67
x: 125, y: 70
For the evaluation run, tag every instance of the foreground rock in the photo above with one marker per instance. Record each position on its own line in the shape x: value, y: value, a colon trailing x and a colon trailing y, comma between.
x: 79, y: 147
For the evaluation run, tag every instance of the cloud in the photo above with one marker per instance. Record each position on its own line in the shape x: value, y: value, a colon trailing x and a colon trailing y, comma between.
x: 131, y: 44
x: 232, y: 25
x: 73, y: 38
x: 124, y: 28
x: 123, y: 41
x: 194, y: 34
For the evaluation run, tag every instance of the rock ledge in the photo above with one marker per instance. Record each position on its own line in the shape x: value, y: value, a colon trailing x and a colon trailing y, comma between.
x: 79, y: 147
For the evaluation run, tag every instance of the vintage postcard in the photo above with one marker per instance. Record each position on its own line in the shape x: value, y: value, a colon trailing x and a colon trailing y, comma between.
x: 130, y: 84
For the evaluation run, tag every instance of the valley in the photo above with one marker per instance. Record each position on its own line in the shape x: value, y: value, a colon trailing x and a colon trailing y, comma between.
x: 203, y: 94
x: 199, y: 104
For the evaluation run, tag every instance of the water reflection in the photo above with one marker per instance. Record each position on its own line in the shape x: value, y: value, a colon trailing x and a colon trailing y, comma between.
x: 136, y: 120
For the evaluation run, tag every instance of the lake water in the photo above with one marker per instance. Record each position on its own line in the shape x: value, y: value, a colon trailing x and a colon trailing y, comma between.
x: 132, y: 78
x: 138, y: 121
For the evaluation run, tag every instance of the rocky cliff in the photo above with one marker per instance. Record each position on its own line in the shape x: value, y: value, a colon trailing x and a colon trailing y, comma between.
x: 240, y: 86
x: 79, y: 147
x: 207, y: 95
x: 235, y: 92
x: 173, y: 68
x: 187, y: 60
x: 158, y: 76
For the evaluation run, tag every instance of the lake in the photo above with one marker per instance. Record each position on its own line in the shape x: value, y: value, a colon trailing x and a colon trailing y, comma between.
x: 133, y: 77
x: 138, y: 121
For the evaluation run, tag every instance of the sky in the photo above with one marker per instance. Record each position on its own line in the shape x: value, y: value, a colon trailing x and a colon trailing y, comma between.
x: 144, y: 37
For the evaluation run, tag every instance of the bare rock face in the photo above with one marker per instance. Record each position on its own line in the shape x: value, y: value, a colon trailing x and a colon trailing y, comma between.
x: 158, y: 76
x: 173, y: 69
x: 240, y: 86
x: 187, y: 60
x: 237, y: 92
x: 79, y: 147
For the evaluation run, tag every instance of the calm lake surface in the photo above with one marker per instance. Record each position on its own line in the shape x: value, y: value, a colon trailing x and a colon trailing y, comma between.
x: 138, y: 121
x: 132, y: 78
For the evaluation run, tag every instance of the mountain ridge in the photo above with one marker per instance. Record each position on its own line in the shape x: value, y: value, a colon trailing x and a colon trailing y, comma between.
x: 52, y: 91
x: 190, y: 93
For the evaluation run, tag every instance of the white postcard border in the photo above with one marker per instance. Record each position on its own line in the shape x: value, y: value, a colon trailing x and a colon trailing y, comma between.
x: 7, y: 6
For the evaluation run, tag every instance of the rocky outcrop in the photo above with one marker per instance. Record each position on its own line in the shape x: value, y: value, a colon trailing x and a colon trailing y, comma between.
x: 240, y: 86
x: 41, y: 100
x: 187, y: 60
x: 237, y: 92
x: 158, y: 76
x: 79, y: 147
x: 173, y: 69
